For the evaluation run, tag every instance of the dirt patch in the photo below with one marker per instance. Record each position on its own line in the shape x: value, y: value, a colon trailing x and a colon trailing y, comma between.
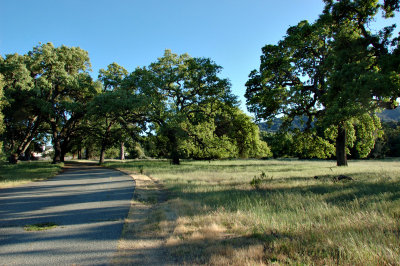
x: 142, y: 242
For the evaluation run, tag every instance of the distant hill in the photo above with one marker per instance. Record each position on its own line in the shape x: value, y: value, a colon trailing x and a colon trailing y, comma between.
x: 390, y: 115
x: 385, y: 116
x: 297, y: 123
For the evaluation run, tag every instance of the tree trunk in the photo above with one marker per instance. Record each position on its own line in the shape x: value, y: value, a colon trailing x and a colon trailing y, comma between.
x: 20, y: 150
x: 122, y: 151
x: 175, y: 158
x: 102, y: 154
x: 13, y: 158
x: 175, y: 153
x: 88, y: 153
x: 64, y: 148
x: 173, y: 142
x: 33, y: 127
x: 341, y: 156
x: 80, y: 153
x: 105, y: 141
x: 62, y: 155
x: 57, y: 151
x: 27, y: 154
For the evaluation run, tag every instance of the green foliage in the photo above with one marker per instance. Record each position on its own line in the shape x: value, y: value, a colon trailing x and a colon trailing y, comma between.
x: 117, y: 111
x: 389, y: 143
x: 281, y: 143
x: 47, y: 91
x: 368, y: 129
x: 333, y: 71
x: 361, y: 135
x: 311, y: 145
x: 184, y: 93
x: 136, y: 152
x: 244, y: 132
x: 228, y: 133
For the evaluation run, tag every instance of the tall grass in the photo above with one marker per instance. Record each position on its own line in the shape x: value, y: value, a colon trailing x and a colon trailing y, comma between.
x: 299, y: 214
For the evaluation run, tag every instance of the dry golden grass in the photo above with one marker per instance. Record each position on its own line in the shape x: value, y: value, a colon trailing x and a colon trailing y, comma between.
x: 213, y: 216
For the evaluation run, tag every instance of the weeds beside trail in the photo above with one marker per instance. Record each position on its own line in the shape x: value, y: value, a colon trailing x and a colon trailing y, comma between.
x: 25, y: 172
x: 298, y: 212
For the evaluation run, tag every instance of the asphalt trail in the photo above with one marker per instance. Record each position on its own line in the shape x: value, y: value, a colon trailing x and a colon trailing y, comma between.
x: 88, y: 203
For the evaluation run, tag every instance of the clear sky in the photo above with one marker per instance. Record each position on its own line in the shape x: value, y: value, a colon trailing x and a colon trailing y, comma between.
x: 135, y: 33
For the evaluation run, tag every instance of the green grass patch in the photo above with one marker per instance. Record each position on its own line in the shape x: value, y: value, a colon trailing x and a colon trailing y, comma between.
x: 24, y: 172
x: 229, y: 212
x: 40, y: 226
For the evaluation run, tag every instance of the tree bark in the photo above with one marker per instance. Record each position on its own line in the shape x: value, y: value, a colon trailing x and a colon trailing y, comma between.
x: 80, y: 153
x: 175, y: 158
x: 65, y: 147
x: 14, y: 157
x: 62, y: 155
x: 122, y: 151
x: 102, y: 154
x: 173, y: 146
x: 341, y: 156
x: 57, y: 151
x: 88, y: 153
x: 29, y: 135
x: 105, y: 141
x: 174, y: 151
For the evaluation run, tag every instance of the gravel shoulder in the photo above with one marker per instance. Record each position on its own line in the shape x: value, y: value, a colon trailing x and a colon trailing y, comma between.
x: 142, y: 241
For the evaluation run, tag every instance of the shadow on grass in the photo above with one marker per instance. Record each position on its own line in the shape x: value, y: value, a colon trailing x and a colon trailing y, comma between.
x: 308, y: 245
x: 27, y: 171
x: 340, y: 193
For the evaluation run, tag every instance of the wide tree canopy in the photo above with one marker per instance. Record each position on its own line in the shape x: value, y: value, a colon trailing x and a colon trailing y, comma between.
x: 46, y: 91
x: 178, y: 101
x: 183, y: 91
x: 333, y: 72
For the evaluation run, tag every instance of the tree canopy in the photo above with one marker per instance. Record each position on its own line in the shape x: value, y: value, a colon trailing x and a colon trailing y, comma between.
x: 333, y: 71
x: 184, y: 92
x: 179, y: 100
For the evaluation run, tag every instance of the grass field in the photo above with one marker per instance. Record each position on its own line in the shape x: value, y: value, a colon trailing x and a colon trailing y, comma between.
x: 24, y: 172
x: 213, y: 214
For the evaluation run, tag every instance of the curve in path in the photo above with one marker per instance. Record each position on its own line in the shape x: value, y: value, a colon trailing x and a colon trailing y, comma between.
x: 87, y: 203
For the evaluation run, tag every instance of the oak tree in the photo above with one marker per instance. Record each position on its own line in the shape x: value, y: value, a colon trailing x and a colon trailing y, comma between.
x: 182, y: 90
x: 332, y: 71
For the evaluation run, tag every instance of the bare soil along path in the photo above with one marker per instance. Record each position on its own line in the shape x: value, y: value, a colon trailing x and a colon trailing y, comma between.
x: 88, y: 205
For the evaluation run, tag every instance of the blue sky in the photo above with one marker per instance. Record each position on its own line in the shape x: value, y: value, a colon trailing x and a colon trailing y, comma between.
x: 135, y: 33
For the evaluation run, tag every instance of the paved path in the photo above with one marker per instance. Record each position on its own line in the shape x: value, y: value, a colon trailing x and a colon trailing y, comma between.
x: 88, y: 204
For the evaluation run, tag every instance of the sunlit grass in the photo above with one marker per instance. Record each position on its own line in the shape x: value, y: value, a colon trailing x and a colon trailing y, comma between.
x: 24, y: 172
x: 292, y: 218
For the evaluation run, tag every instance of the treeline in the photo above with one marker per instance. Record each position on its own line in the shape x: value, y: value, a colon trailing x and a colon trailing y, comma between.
x: 334, y: 73
x: 288, y: 143
x: 297, y: 144
x: 177, y: 107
